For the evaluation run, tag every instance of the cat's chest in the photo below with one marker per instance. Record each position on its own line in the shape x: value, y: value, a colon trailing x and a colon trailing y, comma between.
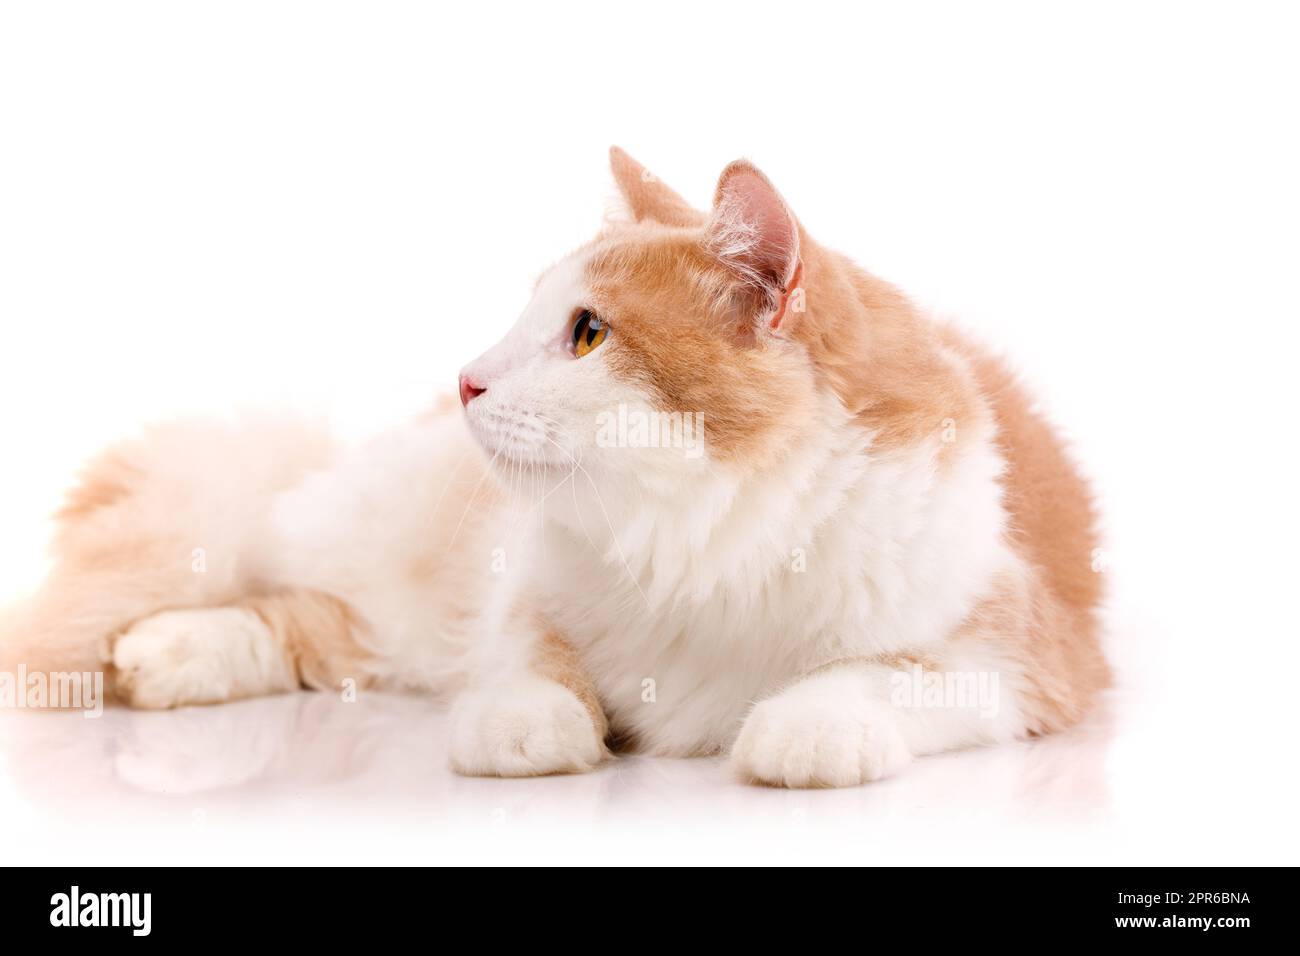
x: 680, y: 681
x: 681, y: 650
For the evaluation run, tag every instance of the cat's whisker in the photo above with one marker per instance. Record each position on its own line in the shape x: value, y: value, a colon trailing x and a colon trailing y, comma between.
x: 431, y: 518
x: 541, y: 501
x: 508, y: 480
x: 470, y: 503
x: 608, y: 523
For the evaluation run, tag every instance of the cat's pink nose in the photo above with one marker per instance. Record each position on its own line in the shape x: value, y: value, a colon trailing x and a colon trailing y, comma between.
x: 468, y: 389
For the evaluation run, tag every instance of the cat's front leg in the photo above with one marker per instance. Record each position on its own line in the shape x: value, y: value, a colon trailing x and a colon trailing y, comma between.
x: 828, y: 730
x: 862, y: 720
x: 540, y: 719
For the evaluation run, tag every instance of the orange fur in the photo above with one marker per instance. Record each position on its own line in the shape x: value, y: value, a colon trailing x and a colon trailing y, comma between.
x: 686, y: 327
x: 556, y: 660
x: 320, y: 633
x: 122, y: 554
x: 691, y: 317
x: 886, y: 363
x: 1052, y: 526
x: 646, y: 196
x: 670, y: 305
x: 1054, y: 647
x: 103, y: 483
x: 1053, y: 519
x: 691, y: 329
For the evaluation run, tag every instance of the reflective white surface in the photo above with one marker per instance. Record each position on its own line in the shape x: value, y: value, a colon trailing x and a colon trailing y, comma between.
x: 309, y: 778
x: 1106, y: 194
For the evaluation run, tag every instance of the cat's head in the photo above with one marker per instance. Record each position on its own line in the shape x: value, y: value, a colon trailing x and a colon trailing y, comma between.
x: 664, y: 346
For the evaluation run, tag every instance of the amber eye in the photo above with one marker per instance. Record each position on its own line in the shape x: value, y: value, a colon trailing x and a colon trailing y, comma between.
x: 588, y: 332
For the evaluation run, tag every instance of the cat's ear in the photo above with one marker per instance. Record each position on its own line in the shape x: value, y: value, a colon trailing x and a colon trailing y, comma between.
x: 753, y: 231
x: 646, y: 196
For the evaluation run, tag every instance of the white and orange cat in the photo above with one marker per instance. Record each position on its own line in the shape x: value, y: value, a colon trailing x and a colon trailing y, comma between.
x: 718, y: 491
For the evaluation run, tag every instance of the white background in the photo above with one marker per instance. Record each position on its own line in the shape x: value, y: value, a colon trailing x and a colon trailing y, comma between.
x: 204, y: 206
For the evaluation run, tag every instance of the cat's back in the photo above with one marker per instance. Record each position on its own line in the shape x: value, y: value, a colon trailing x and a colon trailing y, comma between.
x: 1052, y: 518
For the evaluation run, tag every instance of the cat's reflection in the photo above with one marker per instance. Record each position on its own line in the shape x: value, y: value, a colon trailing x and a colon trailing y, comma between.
x: 389, y: 750
x: 307, y: 739
x: 296, y: 741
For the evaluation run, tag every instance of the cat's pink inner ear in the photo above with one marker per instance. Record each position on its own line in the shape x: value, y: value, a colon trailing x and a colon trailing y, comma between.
x: 753, y: 231
x: 646, y: 196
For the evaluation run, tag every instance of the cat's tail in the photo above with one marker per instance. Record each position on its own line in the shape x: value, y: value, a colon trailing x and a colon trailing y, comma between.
x: 168, y: 520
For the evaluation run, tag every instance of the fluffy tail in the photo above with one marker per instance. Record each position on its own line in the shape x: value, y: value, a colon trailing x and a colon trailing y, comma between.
x: 165, y: 521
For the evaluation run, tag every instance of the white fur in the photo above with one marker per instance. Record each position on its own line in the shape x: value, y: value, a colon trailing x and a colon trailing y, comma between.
x: 399, y: 529
x: 828, y: 730
x: 201, y: 656
x: 691, y: 590
x: 522, y: 728
x: 701, y: 593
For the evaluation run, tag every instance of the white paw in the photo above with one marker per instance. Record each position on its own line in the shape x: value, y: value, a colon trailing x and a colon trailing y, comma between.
x: 523, y: 728
x: 200, y: 656
x: 806, y: 737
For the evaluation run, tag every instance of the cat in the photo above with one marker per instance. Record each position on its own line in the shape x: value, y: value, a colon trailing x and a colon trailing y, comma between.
x: 719, y: 491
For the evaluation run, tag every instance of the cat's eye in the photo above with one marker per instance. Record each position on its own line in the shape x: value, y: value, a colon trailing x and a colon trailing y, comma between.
x: 588, y: 332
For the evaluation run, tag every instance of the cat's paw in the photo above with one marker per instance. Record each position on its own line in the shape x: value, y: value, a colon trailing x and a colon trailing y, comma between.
x: 201, y: 656
x: 805, y: 737
x: 524, y: 728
